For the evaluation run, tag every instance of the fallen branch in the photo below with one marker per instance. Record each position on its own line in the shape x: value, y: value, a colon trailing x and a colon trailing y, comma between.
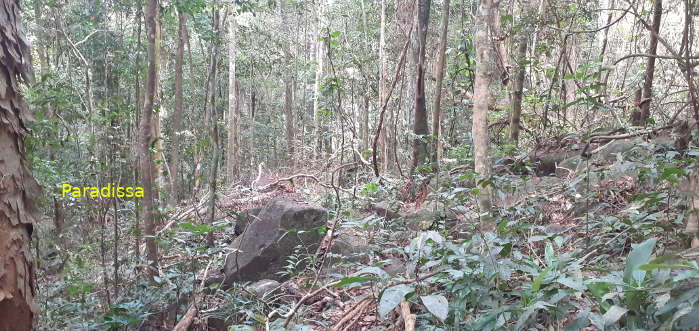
x: 188, y: 318
x: 298, y: 304
x: 620, y: 136
x: 351, y: 315
x: 408, y: 317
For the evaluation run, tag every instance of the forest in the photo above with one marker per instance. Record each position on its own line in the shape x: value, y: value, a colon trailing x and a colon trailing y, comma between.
x: 349, y: 165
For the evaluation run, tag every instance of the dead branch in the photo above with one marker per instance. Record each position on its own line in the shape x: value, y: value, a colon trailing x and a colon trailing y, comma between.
x: 408, y: 317
x: 620, y: 136
x: 352, y: 315
x: 298, y: 304
x: 188, y: 318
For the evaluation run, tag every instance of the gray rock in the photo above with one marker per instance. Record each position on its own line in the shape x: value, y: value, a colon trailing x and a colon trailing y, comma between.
x: 386, y: 210
x: 261, y: 251
x: 420, y: 220
x: 523, y: 188
x: 263, y: 287
x: 394, y: 267
x: 352, y: 248
x: 246, y: 217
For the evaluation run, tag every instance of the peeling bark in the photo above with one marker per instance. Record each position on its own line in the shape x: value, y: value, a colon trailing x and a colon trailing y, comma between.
x: 17, y: 214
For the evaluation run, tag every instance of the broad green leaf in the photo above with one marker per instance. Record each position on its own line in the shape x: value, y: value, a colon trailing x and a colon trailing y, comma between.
x: 392, y: 296
x: 529, y: 311
x: 506, y: 249
x: 690, y: 320
x: 581, y: 321
x: 650, y: 266
x: 437, y: 305
x: 548, y: 254
x: 351, y: 280
x: 639, y: 255
x: 373, y: 271
x: 575, y: 284
x: 536, y: 283
x: 614, y: 314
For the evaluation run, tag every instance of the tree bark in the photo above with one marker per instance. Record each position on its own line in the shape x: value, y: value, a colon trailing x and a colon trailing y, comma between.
x: 233, y: 111
x: 692, y: 227
x: 158, y: 156
x: 289, y: 118
x: 383, y: 137
x: 437, y: 111
x: 175, y: 181
x: 145, y: 157
x: 17, y: 214
x: 641, y: 115
x: 320, y: 52
x: 420, y: 127
x: 518, y: 90
x: 482, y: 97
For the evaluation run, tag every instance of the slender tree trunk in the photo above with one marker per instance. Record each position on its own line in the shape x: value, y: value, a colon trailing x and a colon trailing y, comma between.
x: 688, y: 41
x: 145, y: 157
x: 289, y: 118
x: 158, y: 156
x: 482, y: 96
x: 175, y: 181
x: 232, y: 168
x: 640, y: 116
x: 420, y: 127
x: 209, y: 93
x: 436, y: 110
x: 383, y: 137
x: 17, y: 307
x: 518, y: 89
x: 602, y: 54
x: 320, y: 55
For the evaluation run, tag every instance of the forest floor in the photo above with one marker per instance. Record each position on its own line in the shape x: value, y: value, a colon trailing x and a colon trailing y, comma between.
x: 597, y: 244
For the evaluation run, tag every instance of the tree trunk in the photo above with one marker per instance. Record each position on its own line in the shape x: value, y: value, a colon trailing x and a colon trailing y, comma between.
x: 320, y: 52
x: 158, y: 156
x: 641, y: 115
x: 175, y: 181
x: 518, y: 90
x: 482, y: 97
x: 233, y: 111
x: 437, y: 111
x: 209, y: 91
x: 420, y: 128
x: 383, y: 136
x: 692, y: 227
x: 289, y: 118
x: 16, y: 207
x: 145, y: 157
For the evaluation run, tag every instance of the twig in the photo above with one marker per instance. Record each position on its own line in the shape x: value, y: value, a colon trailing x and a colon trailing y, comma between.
x: 414, y: 280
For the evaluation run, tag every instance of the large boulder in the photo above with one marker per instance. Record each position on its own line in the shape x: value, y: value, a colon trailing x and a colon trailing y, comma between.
x: 263, y: 248
x: 244, y: 218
